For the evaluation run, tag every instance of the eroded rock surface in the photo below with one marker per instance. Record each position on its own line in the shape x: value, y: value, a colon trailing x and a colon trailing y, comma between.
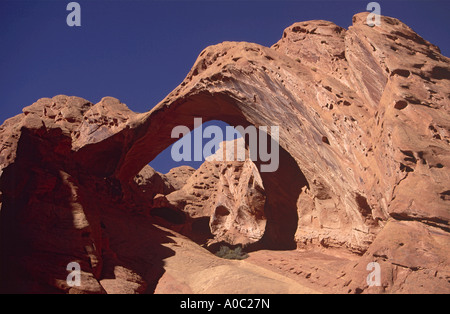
x: 364, y: 117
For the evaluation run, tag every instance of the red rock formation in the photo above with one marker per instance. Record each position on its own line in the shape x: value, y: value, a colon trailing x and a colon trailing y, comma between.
x: 222, y: 201
x: 364, y: 156
x: 225, y: 202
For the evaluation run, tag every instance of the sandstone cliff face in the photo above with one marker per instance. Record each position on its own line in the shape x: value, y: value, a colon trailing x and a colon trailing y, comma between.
x: 364, y: 117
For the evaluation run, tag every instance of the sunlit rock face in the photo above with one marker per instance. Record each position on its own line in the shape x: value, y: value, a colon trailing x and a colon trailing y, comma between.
x: 363, y: 118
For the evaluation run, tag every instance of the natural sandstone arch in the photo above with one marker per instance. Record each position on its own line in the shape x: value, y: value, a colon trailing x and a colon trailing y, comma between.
x: 239, y: 83
x: 282, y: 186
x: 332, y: 92
x: 363, y: 116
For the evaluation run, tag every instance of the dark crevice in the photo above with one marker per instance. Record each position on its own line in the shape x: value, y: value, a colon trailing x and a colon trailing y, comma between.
x: 363, y: 205
x: 405, y: 168
x: 445, y: 195
x: 430, y: 221
x: 171, y: 215
x: 440, y: 73
x: 201, y: 231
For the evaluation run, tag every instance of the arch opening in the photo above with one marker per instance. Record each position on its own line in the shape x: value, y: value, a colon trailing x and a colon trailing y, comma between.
x: 282, y: 187
x: 164, y: 162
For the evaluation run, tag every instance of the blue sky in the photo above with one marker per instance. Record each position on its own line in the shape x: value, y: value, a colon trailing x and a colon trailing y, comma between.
x: 140, y: 50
